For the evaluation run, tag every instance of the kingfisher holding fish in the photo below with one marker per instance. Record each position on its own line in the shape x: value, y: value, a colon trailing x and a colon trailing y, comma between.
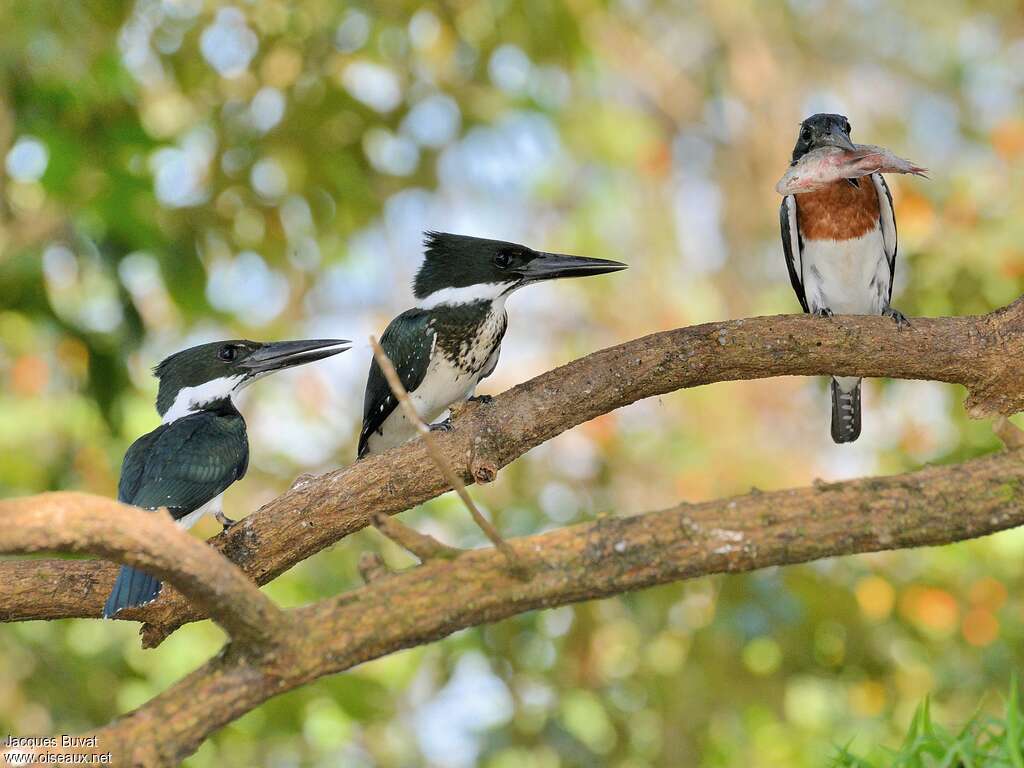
x: 839, y: 236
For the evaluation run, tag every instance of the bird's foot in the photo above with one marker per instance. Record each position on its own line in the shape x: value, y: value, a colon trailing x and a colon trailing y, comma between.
x: 897, y: 317
x: 482, y: 399
x: 823, y: 312
x: 443, y: 426
x: 223, y: 519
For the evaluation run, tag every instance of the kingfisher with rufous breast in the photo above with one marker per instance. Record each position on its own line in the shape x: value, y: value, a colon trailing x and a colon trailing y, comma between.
x: 840, y: 246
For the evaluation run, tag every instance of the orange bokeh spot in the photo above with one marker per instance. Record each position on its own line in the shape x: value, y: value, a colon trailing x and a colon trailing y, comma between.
x: 960, y: 211
x: 988, y: 593
x: 1008, y: 138
x: 875, y: 596
x: 602, y: 429
x: 917, y: 214
x: 867, y: 698
x: 73, y: 356
x: 658, y: 161
x: 980, y: 627
x: 29, y: 375
x: 1012, y: 263
x: 930, y: 608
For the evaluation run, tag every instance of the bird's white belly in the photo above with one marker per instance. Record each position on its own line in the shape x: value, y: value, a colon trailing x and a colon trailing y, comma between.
x: 443, y: 386
x: 445, y: 382
x: 849, y: 277
x: 212, y: 507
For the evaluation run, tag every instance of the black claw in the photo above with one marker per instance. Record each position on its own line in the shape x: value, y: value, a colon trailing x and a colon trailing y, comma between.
x: 224, y: 520
x: 484, y: 399
x: 897, y: 317
x: 823, y: 312
x: 442, y: 426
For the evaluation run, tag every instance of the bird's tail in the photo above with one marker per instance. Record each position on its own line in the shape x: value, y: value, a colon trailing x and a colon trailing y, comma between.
x: 132, y: 588
x: 845, y: 409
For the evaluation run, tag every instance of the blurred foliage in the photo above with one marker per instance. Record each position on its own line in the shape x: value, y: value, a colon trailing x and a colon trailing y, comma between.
x: 985, y: 740
x: 181, y: 170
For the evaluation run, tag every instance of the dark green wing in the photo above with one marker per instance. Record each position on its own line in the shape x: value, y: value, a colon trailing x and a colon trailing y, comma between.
x: 408, y: 342
x: 133, y: 465
x: 184, y: 464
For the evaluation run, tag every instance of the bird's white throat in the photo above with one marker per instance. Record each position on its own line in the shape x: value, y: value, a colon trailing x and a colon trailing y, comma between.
x: 467, y: 294
x: 191, y: 399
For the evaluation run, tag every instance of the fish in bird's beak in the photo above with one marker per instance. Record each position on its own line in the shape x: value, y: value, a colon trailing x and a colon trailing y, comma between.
x: 550, y: 266
x: 825, y: 165
x: 278, y: 355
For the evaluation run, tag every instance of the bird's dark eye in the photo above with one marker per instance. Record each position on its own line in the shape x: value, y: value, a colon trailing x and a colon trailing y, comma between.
x: 503, y: 259
x: 847, y: 128
x: 227, y: 353
x: 805, y: 134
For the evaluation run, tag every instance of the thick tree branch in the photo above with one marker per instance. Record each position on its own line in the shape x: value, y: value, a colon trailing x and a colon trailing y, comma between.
x: 607, y: 557
x: 983, y: 353
x: 80, y: 523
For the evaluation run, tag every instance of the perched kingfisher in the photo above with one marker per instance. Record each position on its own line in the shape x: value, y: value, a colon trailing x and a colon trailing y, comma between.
x: 840, y: 245
x: 452, y: 339
x: 201, y: 447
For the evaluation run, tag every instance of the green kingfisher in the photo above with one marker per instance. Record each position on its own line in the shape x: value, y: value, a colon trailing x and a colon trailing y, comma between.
x: 452, y: 339
x: 840, y: 246
x: 201, y: 447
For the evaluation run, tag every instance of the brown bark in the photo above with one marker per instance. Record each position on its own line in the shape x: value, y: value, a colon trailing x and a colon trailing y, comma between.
x: 610, y: 556
x: 592, y: 560
x: 983, y: 353
x: 80, y: 523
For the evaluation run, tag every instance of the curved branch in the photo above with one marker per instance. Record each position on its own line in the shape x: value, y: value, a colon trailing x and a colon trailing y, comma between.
x: 983, y: 353
x: 82, y: 523
x: 613, y: 555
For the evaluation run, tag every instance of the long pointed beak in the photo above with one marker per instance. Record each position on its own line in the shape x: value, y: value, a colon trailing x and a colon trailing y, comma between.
x: 550, y: 266
x: 836, y: 137
x: 277, y: 355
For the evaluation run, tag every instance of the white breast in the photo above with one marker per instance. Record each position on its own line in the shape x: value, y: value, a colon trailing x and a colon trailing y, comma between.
x: 212, y: 507
x: 444, y: 384
x: 845, y: 275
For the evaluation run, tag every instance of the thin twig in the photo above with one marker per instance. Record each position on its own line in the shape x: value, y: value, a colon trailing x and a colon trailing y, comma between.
x: 450, y: 475
x: 424, y: 546
x: 371, y: 567
x: 1009, y: 433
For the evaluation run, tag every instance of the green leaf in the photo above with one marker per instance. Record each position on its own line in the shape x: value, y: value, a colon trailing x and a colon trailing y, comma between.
x: 1012, y: 740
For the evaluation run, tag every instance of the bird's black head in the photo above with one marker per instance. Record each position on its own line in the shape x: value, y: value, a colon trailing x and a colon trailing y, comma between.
x: 822, y: 130
x: 474, y: 268
x: 210, y: 373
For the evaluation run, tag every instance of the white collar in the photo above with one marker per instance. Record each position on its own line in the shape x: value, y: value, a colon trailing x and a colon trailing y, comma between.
x: 466, y: 295
x: 192, y: 399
